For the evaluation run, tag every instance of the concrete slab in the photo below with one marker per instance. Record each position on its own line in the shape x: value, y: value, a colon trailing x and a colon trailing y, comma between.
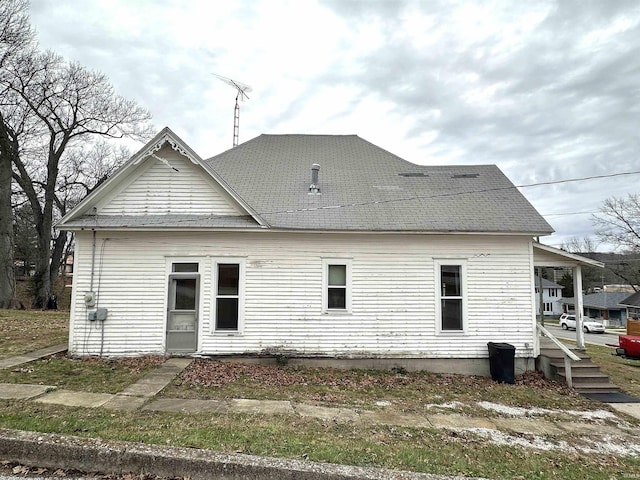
x: 389, y: 417
x: 14, y: 361
x: 588, y: 428
x: 146, y: 390
x: 526, y: 425
x: 158, y: 378
x: 326, y: 413
x: 75, y: 399
x: 121, y: 402
x: 262, y: 407
x: 10, y: 391
x: 186, y: 405
x: 178, y: 362
x: 153, y: 383
x: 632, y: 409
x: 458, y: 422
x: 31, y: 356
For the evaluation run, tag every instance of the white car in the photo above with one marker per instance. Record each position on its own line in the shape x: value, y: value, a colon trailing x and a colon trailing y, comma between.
x: 589, y: 325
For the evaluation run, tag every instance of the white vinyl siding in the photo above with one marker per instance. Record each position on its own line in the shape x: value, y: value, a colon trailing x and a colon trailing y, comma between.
x: 392, y: 293
x: 160, y: 189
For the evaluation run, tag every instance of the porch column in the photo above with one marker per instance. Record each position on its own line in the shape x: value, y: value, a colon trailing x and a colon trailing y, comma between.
x: 578, y: 305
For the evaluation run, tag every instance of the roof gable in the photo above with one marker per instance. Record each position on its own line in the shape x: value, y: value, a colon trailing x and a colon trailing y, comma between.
x: 165, y: 178
x: 170, y: 184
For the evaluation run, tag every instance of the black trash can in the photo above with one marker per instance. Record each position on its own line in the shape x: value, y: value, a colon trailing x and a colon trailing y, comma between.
x: 502, y: 362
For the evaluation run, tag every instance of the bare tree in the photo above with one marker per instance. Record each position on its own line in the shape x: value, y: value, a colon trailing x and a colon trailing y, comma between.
x: 580, y: 245
x: 618, y: 224
x: 15, y: 37
x: 71, y: 104
x: 83, y: 170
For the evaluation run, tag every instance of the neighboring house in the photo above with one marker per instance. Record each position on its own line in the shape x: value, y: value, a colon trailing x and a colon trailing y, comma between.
x: 366, y: 258
x: 605, y: 306
x: 631, y: 303
x: 551, y: 296
x: 66, y: 270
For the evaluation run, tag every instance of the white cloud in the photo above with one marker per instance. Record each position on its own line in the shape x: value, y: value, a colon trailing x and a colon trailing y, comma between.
x: 546, y: 90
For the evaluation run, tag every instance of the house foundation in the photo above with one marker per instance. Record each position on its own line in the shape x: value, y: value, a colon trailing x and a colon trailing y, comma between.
x: 459, y: 366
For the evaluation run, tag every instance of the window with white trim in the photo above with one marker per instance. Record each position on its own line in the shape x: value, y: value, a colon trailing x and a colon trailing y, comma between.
x: 336, y: 285
x: 450, y: 295
x: 228, y: 294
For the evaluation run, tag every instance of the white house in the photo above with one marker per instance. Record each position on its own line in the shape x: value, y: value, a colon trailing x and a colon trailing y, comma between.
x: 551, y: 296
x: 311, y: 246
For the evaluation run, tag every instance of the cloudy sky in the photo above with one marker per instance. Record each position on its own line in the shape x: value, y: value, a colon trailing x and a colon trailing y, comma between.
x: 547, y: 90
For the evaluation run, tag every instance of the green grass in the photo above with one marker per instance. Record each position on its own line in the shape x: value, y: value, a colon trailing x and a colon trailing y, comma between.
x: 624, y: 372
x: 23, y: 331
x: 88, y: 374
x: 420, y: 450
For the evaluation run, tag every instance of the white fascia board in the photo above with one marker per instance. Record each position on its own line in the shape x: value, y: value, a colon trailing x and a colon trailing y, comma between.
x: 564, y: 258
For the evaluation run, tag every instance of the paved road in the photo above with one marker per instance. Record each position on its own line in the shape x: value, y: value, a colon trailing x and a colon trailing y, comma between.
x: 597, y: 338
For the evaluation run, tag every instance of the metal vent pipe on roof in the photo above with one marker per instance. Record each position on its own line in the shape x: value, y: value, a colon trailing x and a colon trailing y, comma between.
x: 315, y: 173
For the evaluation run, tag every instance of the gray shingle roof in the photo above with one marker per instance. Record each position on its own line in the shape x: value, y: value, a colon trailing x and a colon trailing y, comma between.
x: 610, y: 300
x: 631, y: 300
x: 364, y: 187
x: 547, y: 283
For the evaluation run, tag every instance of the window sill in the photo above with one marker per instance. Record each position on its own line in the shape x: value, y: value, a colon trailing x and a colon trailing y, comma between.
x: 336, y: 312
x: 227, y: 333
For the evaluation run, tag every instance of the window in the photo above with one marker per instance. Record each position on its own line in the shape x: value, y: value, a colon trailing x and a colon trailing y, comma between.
x: 451, y: 296
x: 228, y: 289
x: 184, y: 267
x: 336, y: 290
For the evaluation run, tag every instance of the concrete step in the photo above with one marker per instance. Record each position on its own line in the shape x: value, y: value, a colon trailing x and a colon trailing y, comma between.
x: 596, y: 388
x: 581, y: 366
x: 556, y: 353
x: 585, y: 377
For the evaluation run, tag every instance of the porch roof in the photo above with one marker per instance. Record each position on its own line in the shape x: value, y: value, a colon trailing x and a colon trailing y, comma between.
x: 546, y: 256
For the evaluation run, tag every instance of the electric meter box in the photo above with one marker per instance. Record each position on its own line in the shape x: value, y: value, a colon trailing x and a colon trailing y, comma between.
x: 98, y: 314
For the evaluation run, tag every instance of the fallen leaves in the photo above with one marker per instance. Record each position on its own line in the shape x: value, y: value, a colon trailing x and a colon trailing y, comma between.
x: 410, y: 390
x: 24, y: 470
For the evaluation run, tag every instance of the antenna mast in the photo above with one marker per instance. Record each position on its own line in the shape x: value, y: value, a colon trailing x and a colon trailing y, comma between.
x: 241, y: 94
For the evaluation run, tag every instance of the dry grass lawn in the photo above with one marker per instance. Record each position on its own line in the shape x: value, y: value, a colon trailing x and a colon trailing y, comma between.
x: 23, y: 331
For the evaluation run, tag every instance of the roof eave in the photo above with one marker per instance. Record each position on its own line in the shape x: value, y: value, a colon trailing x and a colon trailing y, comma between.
x: 571, y: 258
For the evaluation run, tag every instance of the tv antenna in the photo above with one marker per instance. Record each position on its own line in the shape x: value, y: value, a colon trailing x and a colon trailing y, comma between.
x: 241, y: 94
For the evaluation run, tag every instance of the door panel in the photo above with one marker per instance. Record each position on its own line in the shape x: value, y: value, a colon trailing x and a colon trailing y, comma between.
x: 182, y: 316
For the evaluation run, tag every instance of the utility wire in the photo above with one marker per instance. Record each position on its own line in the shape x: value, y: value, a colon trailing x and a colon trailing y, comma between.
x: 567, y: 213
x: 443, y: 195
x: 452, y: 194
